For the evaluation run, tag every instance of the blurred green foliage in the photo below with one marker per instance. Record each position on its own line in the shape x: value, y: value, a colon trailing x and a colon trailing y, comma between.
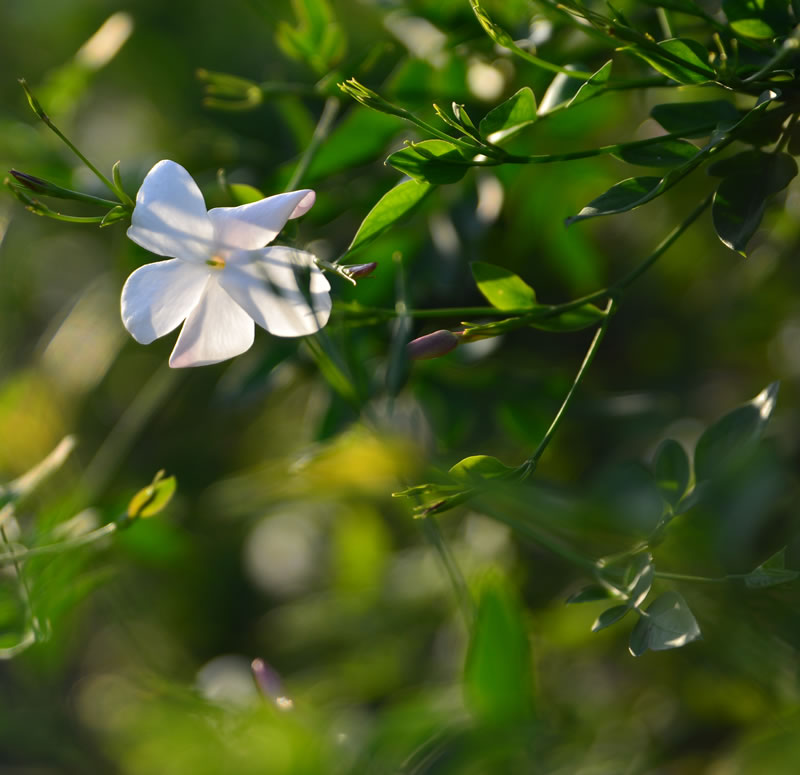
x: 282, y: 541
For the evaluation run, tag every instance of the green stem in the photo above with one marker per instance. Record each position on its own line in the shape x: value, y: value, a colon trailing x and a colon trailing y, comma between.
x: 548, y: 542
x: 662, y: 248
x: 554, y: 310
x: 786, y: 134
x: 433, y: 533
x: 703, y: 579
x: 13, y: 557
x: 329, y: 111
x: 789, y: 47
x: 37, y: 108
x: 530, y: 464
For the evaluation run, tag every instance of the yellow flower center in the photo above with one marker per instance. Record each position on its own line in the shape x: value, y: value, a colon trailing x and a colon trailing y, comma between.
x: 216, y: 262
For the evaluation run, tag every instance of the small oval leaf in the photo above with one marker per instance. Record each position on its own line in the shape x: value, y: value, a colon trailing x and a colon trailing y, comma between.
x: 480, y: 467
x: 610, y: 616
x: 731, y: 438
x: 503, y: 289
x: 664, y: 154
x: 510, y: 117
x: 672, y: 470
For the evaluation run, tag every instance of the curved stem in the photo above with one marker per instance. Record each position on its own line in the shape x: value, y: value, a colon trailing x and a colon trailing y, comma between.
x: 14, y: 557
x: 326, y: 119
x: 434, y: 534
x: 662, y: 247
x: 530, y: 464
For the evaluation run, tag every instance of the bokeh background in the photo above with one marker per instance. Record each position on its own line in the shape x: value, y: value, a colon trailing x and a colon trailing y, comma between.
x: 283, y: 542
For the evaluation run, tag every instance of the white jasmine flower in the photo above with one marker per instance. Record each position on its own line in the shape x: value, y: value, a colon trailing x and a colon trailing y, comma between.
x: 220, y: 278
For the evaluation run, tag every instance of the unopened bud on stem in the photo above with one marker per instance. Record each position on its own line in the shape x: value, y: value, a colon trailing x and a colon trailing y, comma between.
x: 357, y: 271
x: 432, y: 345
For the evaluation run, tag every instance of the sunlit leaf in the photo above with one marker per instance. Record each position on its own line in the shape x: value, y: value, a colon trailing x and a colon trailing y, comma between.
x: 478, y: 468
x: 594, y: 86
x: 393, y: 205
x: 509, y: 118
x: 621, y: 197
x: 731, y: 438
x: 503, y: 289
x: 244, y: 194
x: 759, y: 19
x: 153, y: 499
x: 610, y: 616
x: 668, y: 624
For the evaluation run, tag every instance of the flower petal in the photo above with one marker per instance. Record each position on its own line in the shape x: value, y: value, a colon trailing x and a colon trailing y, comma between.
x: 170, y: 216
x: 267, y: 284
x: 252, y: 226
x: 157, y: 297
x: 217, y: 329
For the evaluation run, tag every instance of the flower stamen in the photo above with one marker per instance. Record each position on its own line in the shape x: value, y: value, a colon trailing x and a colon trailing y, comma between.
x: 216, y: 262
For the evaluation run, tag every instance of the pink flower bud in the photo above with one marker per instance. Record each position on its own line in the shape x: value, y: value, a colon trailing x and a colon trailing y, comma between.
x: 357, y: 271
x: 432, y: 345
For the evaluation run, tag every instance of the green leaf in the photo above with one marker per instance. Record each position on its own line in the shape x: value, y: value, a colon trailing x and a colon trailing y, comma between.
x: 672, y: 470
x: 732, y: 438
x: 565, y: 92
x: 663, y: 154
x: 244, y: 194
x: 559, y: 93
x: 477, y: 468
x: 585, y: 316
x: 317, y: 38
x: 502, y: 289
x: 509, y: 118
x: 683, y: 60
x: 392, y: 206
x: 153, y: 499
x: 498, y: 673
x: 621, y: 197
x: 686, y: 117
x: 594, y: 86
x: 668, y: 624
x: 610, y: 616
x: 431, y: 161
x: 589, y: 594
x: 771, y: 573
x: 758, y: 19
x: 741, y: 199
x: 642, y: 574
